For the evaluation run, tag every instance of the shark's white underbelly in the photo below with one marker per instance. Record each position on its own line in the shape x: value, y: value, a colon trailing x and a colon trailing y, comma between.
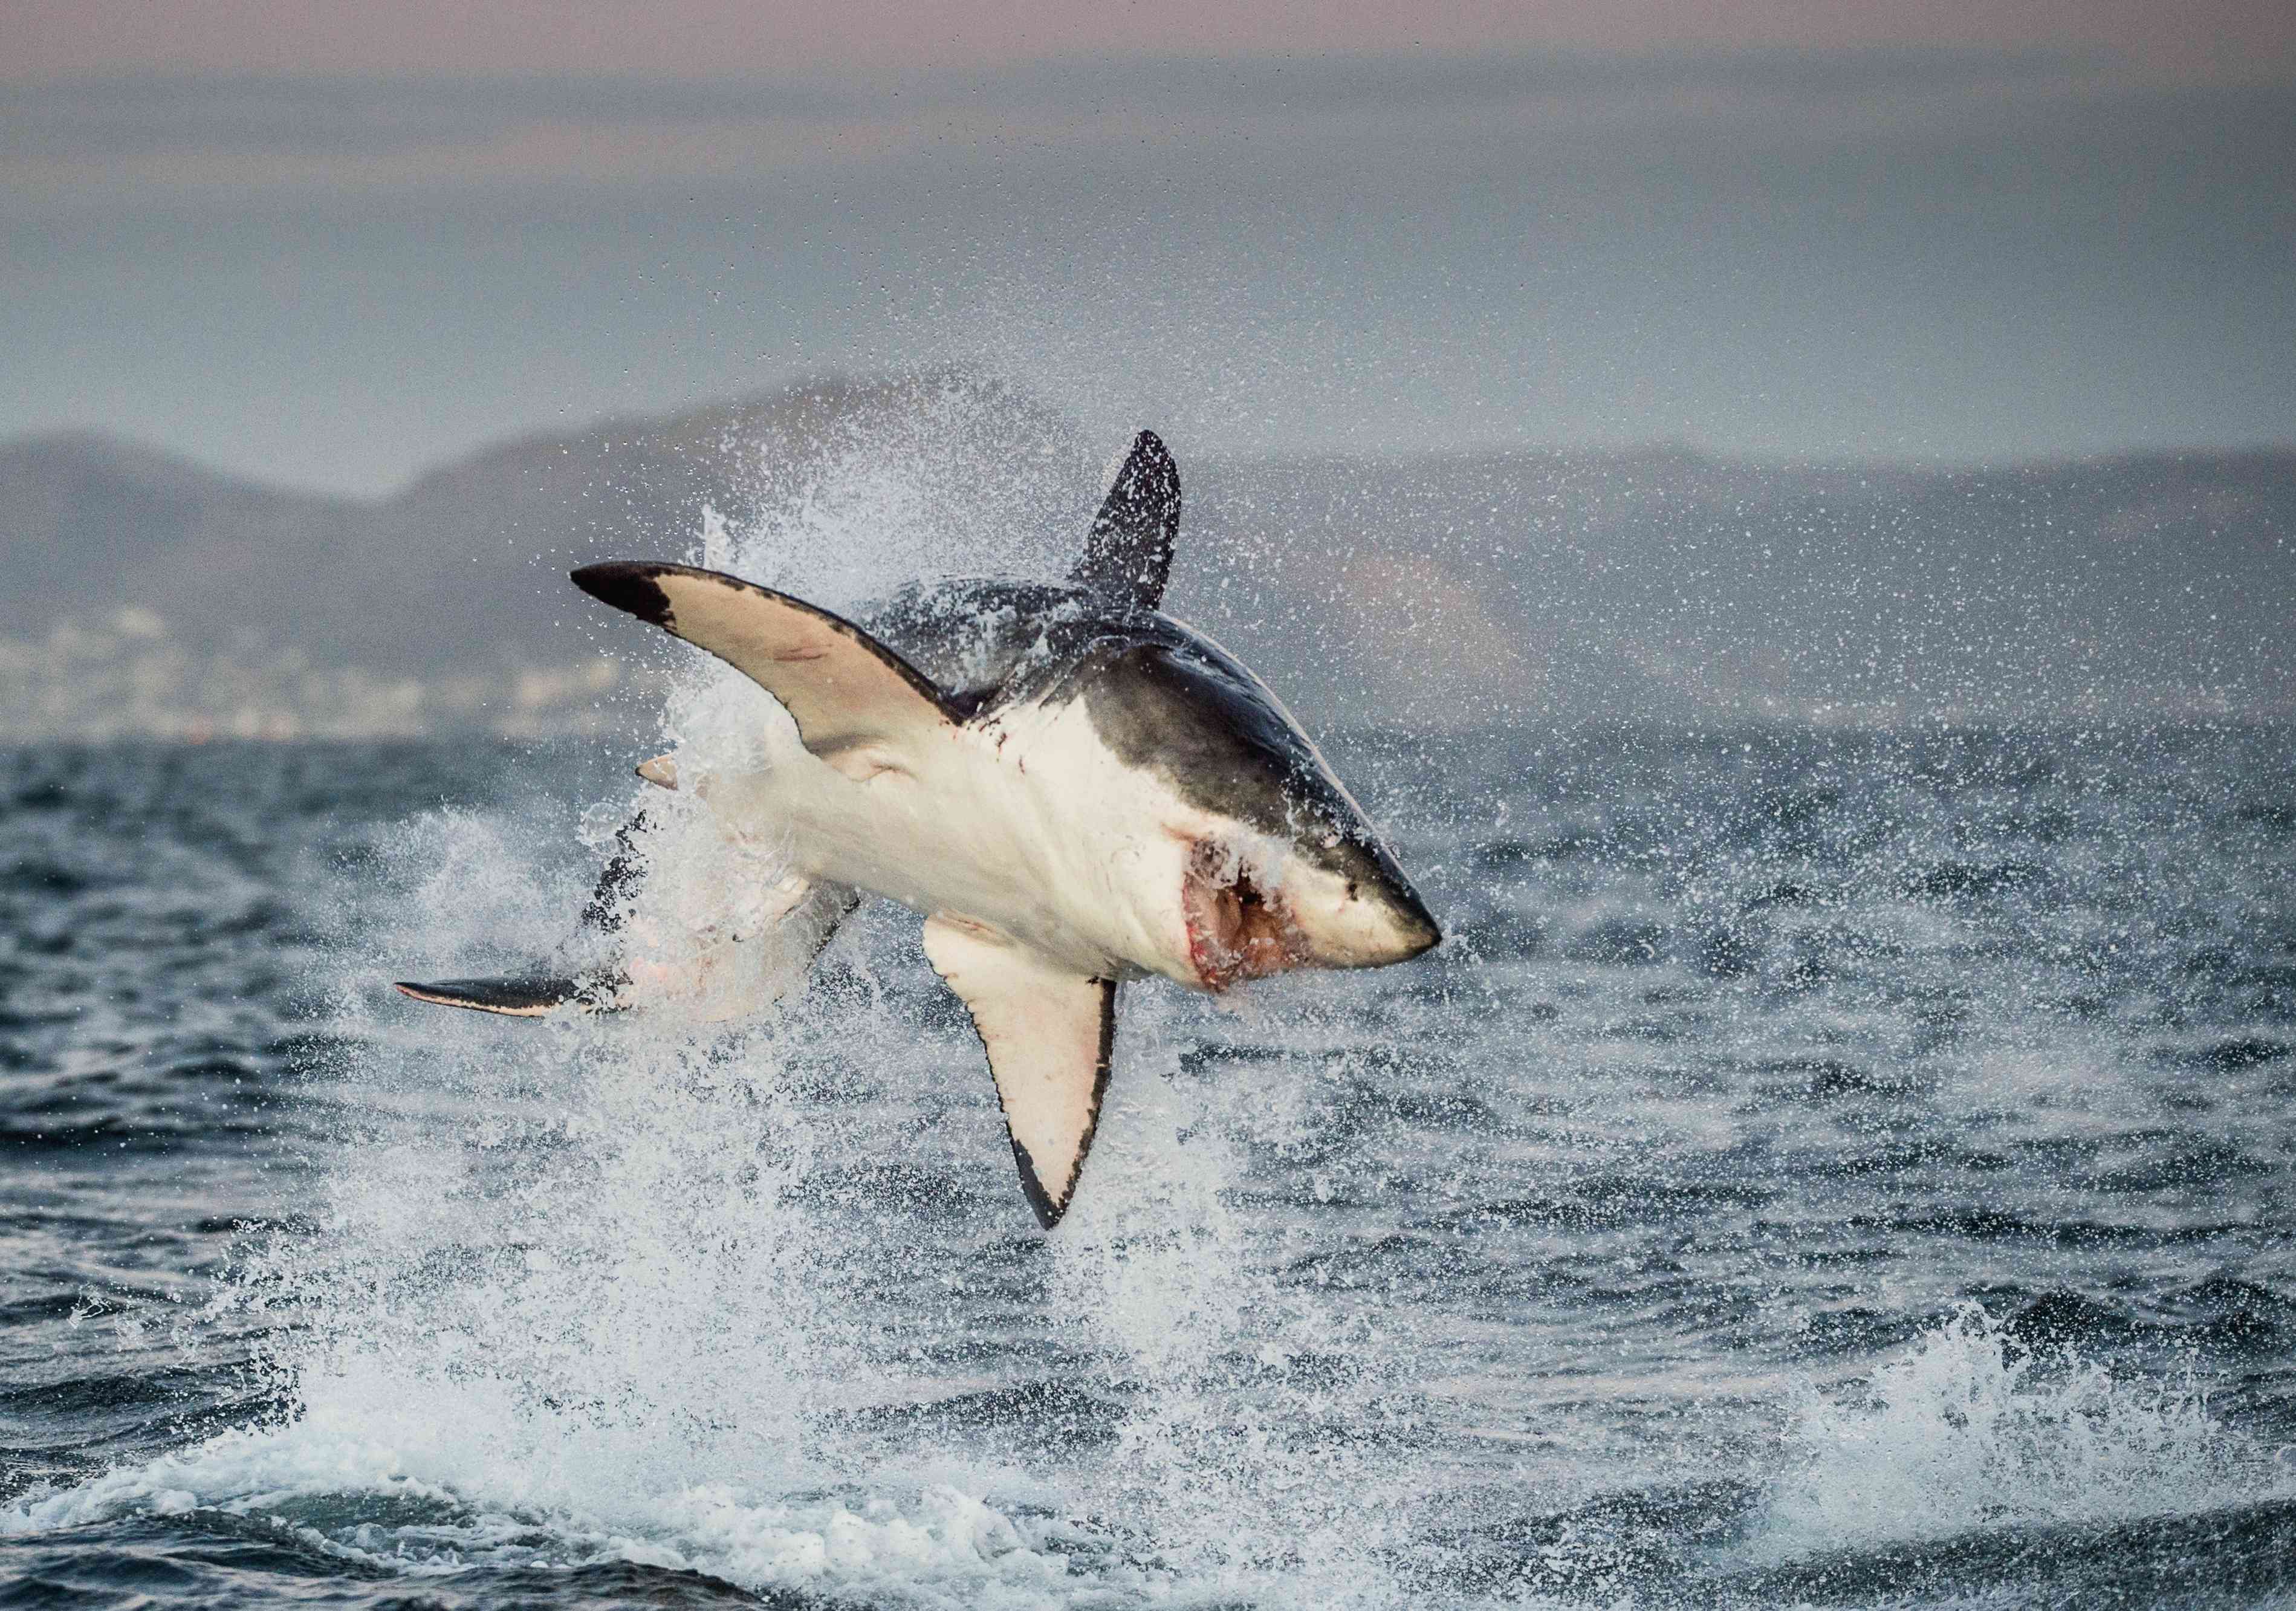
x: 1026, y: 825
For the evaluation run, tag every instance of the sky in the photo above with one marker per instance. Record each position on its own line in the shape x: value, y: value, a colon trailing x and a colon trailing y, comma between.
x: 336, y: 245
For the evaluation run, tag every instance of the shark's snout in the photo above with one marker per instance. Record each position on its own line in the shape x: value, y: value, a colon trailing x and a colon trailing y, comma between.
x: 1375, y: 918
x: 1248, y: 918
x: 1409, y: 928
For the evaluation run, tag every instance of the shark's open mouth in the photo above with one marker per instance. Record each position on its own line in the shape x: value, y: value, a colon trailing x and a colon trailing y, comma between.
x: 1237, y: 929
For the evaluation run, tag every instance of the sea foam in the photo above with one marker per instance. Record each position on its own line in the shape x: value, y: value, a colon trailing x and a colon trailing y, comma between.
x: 1968, y: 1429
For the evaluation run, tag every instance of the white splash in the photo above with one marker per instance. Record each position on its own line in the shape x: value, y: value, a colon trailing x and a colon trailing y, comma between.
x: 1227, y: 1463
x: 1966, y: 1431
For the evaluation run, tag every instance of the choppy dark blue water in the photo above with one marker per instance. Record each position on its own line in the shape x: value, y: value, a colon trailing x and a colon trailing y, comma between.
x: 1846, y: 1169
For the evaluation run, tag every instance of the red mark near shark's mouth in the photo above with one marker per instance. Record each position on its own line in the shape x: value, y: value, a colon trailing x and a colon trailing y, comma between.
x: 1236, y: 930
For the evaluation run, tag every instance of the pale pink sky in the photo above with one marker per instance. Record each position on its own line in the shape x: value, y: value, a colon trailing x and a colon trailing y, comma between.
x: 51, y: 39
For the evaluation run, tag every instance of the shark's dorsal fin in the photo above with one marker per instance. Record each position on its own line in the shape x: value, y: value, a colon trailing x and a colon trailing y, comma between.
x: 1129, y: 553
x: 1048, y: 1034
x: 843, y: 686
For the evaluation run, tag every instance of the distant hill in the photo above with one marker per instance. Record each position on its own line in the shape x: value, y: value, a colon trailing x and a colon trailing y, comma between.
x: 150, y: 595
x: 1673, y: 586
x: 147, y: 595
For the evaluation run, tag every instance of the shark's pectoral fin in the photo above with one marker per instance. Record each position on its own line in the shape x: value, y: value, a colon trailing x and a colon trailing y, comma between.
x: 1048, y: 1033
x: 1129, y: 555
x: 520, y: 998
x: 843, y: 686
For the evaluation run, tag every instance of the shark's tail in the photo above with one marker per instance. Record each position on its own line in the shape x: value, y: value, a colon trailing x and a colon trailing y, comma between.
x: 720, y: 975
x: 520, y: 998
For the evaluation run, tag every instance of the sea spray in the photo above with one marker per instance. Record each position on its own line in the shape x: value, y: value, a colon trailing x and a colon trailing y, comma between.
x: 1244, y: 1463
x: 582, y: 1240
x: 941, y: 472
x: 1969, y: 1428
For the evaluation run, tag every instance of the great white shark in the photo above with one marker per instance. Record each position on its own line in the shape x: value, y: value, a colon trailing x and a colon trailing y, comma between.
x: 1075, y: 790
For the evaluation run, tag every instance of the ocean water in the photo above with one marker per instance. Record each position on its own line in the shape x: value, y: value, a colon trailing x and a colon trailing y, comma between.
x: 1826, y: 1168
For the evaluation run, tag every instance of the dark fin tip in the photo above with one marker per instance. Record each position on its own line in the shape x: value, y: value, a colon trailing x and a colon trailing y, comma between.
x: 1048, y: 1213
x: 627, y: 585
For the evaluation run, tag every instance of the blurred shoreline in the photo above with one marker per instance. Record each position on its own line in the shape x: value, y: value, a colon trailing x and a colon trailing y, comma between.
x: 155, y: 599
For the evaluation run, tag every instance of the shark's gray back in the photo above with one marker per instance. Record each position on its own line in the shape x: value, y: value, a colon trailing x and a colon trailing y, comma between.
x: 990, y: 641
x: 1160, y: 694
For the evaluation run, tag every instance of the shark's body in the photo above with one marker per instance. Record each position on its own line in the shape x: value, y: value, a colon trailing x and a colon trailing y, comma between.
x: 1074, y: 788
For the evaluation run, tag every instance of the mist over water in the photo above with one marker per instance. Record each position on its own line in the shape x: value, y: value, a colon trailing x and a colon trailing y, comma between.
x: 1828, y: 1166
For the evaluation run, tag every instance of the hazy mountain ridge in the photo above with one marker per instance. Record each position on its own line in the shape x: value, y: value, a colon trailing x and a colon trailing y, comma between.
x: 1667, y: 584
x: 151, y: 596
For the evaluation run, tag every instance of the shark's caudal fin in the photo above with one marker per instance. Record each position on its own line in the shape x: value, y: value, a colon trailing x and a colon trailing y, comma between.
x: 845, y: 688
x: 521, y: 998
x: 721, y: 974
x: 1048, y: 1034
x: 1129, y: 555
x: 609, y: 905
x: 539, y: 995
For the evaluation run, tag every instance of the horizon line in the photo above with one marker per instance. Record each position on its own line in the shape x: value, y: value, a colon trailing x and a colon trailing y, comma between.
x: 1642, y: 449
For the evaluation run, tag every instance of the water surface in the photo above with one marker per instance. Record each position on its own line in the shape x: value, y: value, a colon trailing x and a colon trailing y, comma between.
x: 1834, y: 1167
